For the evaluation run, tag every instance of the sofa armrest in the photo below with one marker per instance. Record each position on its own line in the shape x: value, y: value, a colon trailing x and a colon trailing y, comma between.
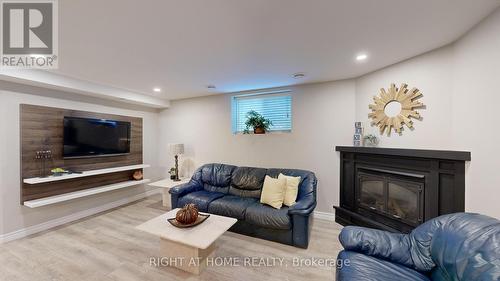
x: 301, y: 216
x: 304, y: 206
x: 185, y: 188
x: 393, y: 247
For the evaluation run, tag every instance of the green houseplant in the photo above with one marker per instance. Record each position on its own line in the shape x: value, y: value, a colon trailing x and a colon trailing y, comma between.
x: 257, y: 122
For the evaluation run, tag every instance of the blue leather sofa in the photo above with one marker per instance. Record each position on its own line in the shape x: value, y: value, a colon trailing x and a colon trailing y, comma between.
x: 235, y: 192
x: 458, y: 247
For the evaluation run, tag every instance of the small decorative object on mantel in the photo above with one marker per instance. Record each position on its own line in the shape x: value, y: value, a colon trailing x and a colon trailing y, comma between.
x: 403, y: 104
x: 370, y: 140
x: 188, y: 216
x: 257, y: 122
x: 138, y: 175
x: 358, y: 134
x: 176, y: 149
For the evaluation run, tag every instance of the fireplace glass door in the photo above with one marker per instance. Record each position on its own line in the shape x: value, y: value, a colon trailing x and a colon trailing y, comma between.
x: 403, y: 200
x: 391, y: 196
x: 372, y: 193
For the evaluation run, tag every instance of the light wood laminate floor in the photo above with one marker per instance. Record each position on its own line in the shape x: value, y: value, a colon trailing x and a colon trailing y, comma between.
x: 107, y: 247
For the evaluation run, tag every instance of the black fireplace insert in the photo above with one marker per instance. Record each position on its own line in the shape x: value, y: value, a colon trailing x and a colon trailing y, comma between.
x: 390, y: 195
x: 399, y: 189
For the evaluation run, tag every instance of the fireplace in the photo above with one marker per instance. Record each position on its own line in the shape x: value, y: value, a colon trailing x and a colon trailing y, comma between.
x: 398, y: 189
x: 388, y: 195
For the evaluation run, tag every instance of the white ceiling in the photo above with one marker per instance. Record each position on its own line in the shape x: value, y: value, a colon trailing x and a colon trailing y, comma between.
x: 182, y: 46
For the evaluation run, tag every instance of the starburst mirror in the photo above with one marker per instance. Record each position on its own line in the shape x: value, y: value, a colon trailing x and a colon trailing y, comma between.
x: 394, y: 108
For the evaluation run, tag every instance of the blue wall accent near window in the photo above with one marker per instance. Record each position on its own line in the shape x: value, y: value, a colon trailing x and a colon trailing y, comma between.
x: 276, y: 107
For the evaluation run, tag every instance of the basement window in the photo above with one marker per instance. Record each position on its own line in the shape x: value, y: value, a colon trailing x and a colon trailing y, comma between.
x: 275, y: 106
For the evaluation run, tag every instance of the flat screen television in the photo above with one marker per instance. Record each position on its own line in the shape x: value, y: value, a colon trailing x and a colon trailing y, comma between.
x: 86, y: 137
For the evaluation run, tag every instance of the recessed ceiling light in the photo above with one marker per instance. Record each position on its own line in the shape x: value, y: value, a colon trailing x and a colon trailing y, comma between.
x: 299, y: 75
x: 211, y: 87
x: 361, y: 57
x: 157, y: 90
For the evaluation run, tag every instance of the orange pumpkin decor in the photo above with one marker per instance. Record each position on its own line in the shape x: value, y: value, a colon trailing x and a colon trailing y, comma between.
x: 188, y: 214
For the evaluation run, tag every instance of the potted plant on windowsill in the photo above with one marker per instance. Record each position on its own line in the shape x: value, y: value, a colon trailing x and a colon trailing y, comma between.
x: 257, y: 122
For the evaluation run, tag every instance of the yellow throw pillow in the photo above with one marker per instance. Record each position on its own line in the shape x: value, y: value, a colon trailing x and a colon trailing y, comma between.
x: 273, y: 192
x: 292, y: 189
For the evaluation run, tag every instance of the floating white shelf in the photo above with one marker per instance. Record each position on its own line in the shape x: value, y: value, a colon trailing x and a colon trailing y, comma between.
x: 84, y: 174
x: 81, y: 193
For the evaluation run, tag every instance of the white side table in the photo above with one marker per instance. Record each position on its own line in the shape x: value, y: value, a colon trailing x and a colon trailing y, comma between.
x: 167, y: 184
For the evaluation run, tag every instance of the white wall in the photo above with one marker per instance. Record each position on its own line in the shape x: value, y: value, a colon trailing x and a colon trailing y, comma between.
x: 323, y: 117
x: 431, y: 74
x: 15, y: 216
x: 458, y: 83
x: 476, y: 107
x: 459, y: 87
x: 460, y: 94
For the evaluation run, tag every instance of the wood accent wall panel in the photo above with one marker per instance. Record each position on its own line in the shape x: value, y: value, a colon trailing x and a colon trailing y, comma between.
x: 42, y: 129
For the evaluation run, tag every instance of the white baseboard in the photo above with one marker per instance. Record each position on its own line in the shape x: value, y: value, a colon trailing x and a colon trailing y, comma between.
x: 4, y: 238
x: 324, y: 216
x: 73, y: 217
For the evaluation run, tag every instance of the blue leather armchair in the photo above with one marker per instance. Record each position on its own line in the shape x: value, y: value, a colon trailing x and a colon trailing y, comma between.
x: 461, y: 246
x: 235, y: 192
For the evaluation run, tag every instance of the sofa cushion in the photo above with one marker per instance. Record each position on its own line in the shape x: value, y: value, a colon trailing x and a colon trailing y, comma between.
x: 273, y: 192
x: 307, y: 179
x: 247, y: 182
x: 466, y: 246
x: 460, y: 246
x: 231, y: 206
x: 216, y: 177
x: 291, y: 190
x: 356, y: 266
x: 200, y: 198
x: 268, y: 217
